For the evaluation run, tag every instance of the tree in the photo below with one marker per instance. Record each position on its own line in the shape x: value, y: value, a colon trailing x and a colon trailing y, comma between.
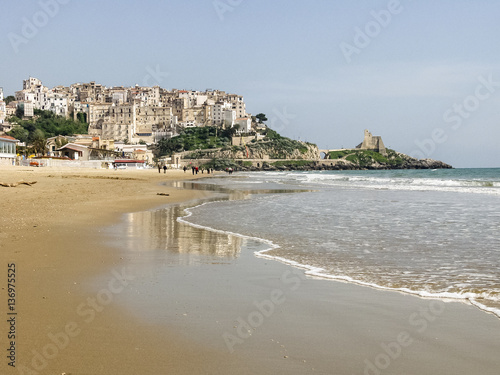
x: 19, y: 133
x: 38, y: 142
x: 230, y: 132
x: 82, y: 117
x: 9, y: 99
x: 20, y: 112
x: 261, y: 117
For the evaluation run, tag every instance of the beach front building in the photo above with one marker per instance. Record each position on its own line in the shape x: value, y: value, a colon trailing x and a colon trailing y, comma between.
x: 129, y: 164
x: 74, y: 151
x: 7, y: 150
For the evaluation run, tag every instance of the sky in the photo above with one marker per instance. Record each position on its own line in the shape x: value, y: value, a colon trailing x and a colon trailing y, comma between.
x: 424, y: 75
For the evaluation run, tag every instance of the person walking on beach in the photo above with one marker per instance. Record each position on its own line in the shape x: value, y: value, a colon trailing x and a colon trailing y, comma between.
x: 184, y: 169
x: 164, y: 169
x: 159, y: 168
x: 192, y: 168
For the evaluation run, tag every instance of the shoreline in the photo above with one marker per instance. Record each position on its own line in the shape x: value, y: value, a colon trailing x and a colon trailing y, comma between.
x: 182, y: 328
x: 316, y: 272
x: 268, y: 311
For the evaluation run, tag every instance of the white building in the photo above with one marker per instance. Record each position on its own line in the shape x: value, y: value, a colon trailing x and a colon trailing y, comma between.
x: 56, y: 103
x: 229, y: 118
x: 41, y: 98
x: 218, y: 112
x: 7, y: 150
x: 237, y: 105
x: 245, y: 124
x: 31, y: 82
x: 194, y: 98
x: 28, y: 108
x: 25, y: 96
x: 3, y: 107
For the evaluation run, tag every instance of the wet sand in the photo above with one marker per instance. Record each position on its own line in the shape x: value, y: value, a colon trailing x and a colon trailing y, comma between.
x: 222, y: 296
x: 108, y: 283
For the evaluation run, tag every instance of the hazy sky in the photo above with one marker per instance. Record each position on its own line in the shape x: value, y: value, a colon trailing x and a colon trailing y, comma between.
x: 425, y: 75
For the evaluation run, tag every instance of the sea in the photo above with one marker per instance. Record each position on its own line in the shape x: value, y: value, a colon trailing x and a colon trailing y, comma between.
x: 430, y: 233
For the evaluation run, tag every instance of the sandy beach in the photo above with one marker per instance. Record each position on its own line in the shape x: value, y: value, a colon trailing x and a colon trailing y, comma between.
x: 107, y: 282
x: 51, y: 232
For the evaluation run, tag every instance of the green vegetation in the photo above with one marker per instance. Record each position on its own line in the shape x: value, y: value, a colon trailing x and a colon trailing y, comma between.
x: 365, y: 158
x: 9, y: 99
x: 196, y: 139
x: 222, y: 164
x: 45, y: 124
x: 283, y: 146
x: 261, y: 117
x: 208, y: 138
x: 339, y: 154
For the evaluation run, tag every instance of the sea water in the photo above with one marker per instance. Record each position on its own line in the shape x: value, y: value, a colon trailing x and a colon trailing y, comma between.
x: 433, y: 233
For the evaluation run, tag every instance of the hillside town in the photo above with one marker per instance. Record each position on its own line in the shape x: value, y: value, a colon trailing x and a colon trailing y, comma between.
x: 94, y: 126
x: 124, y: 119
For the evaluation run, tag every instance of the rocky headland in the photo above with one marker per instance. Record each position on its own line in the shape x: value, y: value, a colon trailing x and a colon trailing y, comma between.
x: 273, y: 152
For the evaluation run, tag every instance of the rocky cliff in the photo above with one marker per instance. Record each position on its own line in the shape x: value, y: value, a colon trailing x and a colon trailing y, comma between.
x: 366, y: 159
x: 294, y: 155
x: 264, y: 150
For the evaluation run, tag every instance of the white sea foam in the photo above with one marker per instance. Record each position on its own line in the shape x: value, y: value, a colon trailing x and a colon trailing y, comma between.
x: 403, y: 183
x: 317, y: 272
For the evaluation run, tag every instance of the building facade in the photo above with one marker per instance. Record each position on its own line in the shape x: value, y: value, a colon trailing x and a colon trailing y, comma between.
x: 134, y: 114
x: 7, y: 150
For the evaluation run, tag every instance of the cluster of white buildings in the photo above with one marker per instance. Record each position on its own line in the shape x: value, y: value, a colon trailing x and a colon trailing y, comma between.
x: 134, y: 114
x: 36, y: 96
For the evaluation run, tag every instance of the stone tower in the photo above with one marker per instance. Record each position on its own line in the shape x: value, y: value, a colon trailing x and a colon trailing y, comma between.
x: 373, y: 143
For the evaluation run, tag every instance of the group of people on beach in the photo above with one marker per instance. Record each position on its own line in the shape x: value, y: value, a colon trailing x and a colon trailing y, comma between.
x: 195, y: 169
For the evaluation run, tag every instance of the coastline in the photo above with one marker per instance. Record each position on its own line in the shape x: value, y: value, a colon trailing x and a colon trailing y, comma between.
x: 320, y: 274
x: 285, y: 323
x: 315, y: 326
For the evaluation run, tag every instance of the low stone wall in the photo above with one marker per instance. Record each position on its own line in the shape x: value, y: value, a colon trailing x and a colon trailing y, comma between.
x: 7, y: 161
x: 96, y: 164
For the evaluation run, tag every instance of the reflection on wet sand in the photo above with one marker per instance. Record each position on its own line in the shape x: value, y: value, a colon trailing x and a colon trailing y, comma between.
x: 159, y: 230
x: 236, y: 192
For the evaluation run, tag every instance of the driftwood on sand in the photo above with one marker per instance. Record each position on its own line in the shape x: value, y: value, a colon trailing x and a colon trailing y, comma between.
x: 14, y: 184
